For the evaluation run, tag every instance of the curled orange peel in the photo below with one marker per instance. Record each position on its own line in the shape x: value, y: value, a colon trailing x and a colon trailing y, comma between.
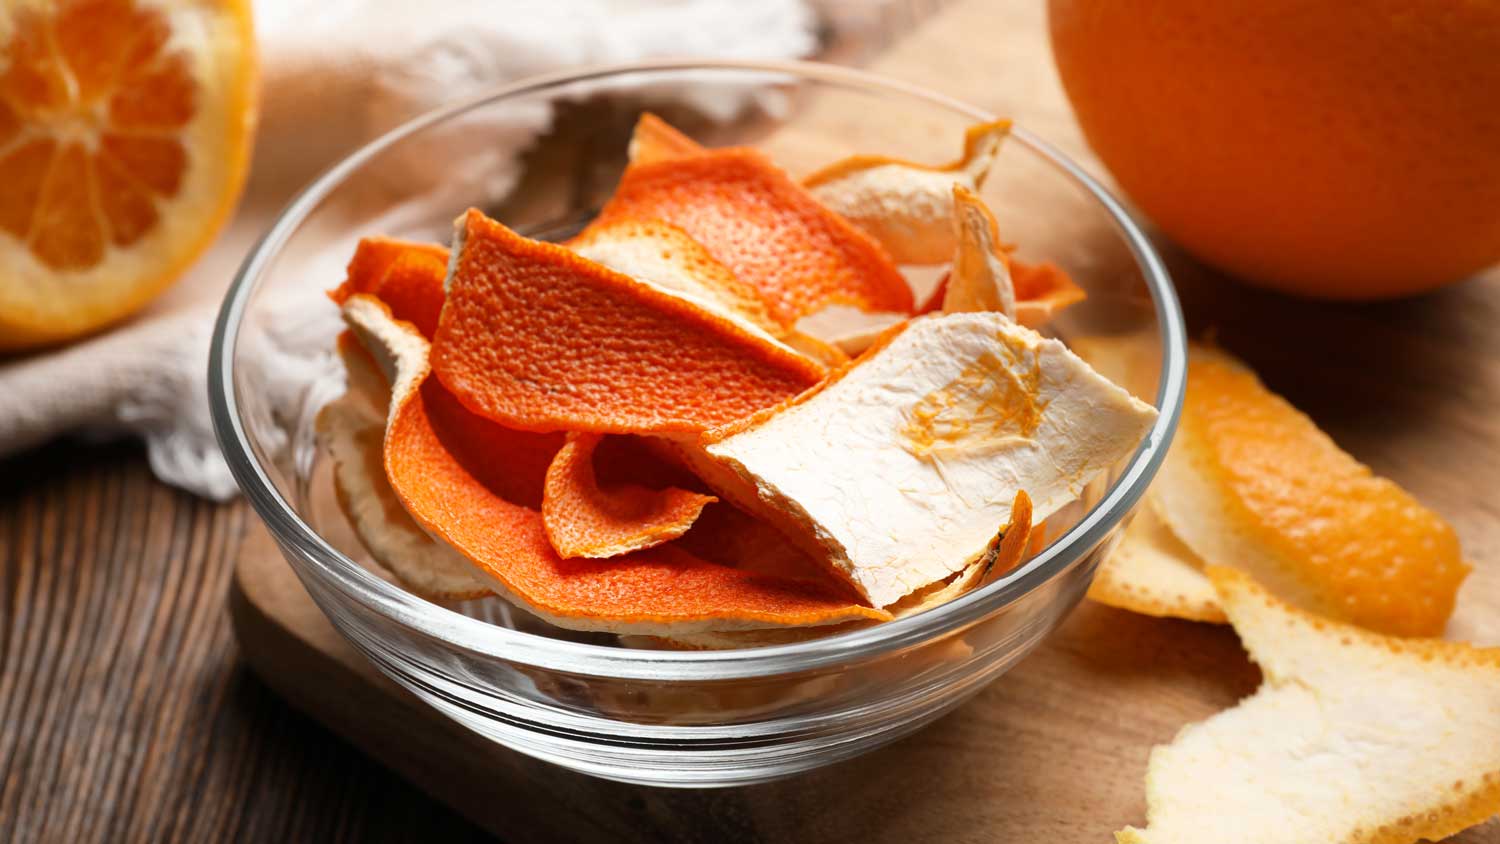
x: 586, y: 519
x: 475, y: 485
x: 771, y: 233
x: 1042, y: 291
x: 537, y: 338
x: 907, y: 207
x: 656, y: 140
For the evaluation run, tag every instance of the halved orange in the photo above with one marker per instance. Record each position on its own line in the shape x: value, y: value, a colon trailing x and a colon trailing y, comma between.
x: 537, y: 338
x: 587, y: 518
x: 768, y: 230
x: 125, y: 135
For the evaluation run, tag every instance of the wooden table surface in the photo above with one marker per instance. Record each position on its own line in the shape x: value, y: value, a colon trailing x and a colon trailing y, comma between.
x: 127, y: 713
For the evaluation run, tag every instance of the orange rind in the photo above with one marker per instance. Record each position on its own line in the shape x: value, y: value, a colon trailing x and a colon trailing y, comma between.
x: 1251, y: 482
x: 908, y: 207
x: 770, y: 232
x: 125, y: 137
x: 656, y: 140
x: 1006, y: 551
x: 1042, y: 291
x: 585, y: 519
x: 406, y: 275
x: 664, y: 256
x: 351, y: 431
x: 938, y: 427
x: 1152, y: 573
x: 980, y: 278
x: 537, y: 338
x: 475, y: 486
x: 1352, y: 737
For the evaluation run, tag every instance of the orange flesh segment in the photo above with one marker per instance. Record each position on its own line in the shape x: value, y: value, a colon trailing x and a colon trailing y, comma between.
x: 67, y: 200
x: 768, y: 230
x: 537, y: 338
x: 442, y: 462
x: 1372, y: 553
x: 586, y: 519
x: 656, y: 140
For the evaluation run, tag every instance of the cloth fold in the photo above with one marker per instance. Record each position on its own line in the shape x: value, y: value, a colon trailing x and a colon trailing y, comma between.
x: 337, y: 74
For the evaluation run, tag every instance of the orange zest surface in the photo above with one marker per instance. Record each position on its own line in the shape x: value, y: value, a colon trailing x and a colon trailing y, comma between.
x: 655, y: 139
x: 1353, y: 545
x: 406, y: 276
x: 585, y: 518
x: 537, y: 338
x: 124, y: 141
x: 768, y: 230
x: 452, y: 471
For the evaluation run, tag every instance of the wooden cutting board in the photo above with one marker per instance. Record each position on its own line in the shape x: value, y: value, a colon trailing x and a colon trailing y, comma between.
x: 1056, y: 750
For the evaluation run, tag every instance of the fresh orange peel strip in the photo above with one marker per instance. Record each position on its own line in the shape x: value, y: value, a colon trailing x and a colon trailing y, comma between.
x: 1252, y: 482
x: 407, y: 276
x: 523, y: 317
x: 585, y: 519
x: 770, y: 232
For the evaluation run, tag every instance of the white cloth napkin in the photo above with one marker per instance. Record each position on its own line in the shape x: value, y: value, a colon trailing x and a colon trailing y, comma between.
x: 336, y: 74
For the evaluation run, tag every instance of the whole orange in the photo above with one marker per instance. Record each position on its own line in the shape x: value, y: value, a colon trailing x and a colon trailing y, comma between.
x: 1345, y: 150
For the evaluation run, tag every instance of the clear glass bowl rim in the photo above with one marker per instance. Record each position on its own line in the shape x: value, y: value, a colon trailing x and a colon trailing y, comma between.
x: 486, y: 640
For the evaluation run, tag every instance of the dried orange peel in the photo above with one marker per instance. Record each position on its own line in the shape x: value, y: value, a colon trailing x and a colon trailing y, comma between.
x: 538, y: 338
x: 1151, y: 572
x: 908, y: 207
x: 980, y: 278
x: 664, y: 256
x: 125, y: 136
x: 938, y: 426
x: 770, y: 232
x: 405, y: 275
x: 469, y: 483
x: 1251, y: 482
x: 351, y: 430
x: 1353, y: 737
x: 656, y: 140
x: 585, y: 519
x: 1006, y: 551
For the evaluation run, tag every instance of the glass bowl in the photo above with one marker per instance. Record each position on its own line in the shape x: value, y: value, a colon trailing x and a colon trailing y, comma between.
x: 539, y: 155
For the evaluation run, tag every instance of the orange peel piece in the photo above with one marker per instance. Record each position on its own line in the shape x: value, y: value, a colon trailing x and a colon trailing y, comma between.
x: 770, y: 232
x: 980, y: 279
x: 537, y: 338
x: 1353, y: 736
x: 1152, y: 572
x: 1252, y: 482
x: 664, y: 256
x: 1042, y: 291
x: 471, y: 483
x: 584, y: 519
x: 905, y: 206
x: 655, y: 139
x: 407, y: 276
x: 351, y: 431
x: 1011, y: 545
